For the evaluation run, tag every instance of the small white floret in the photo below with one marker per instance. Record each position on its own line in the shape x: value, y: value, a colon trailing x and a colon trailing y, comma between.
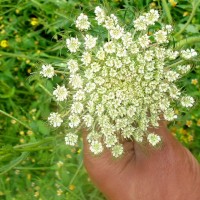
x: 73, y: 44
x: 187, y: 101
x: 71, y: 139
x: 47, y: 71
x: 153, y: 139
x: 60, y: 93
x: 82, y: 22
x: 55, y: 119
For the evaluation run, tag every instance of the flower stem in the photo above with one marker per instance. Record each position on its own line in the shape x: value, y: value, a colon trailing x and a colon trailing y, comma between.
x: 167, y: 11
x: 176, y: 63
x: 17, y: 120
x: 13, y: 163
x: 47, y: 91
x: 77, y: 171
x: 34, y: 168
x: 190, y: 40
x: 195, y: 6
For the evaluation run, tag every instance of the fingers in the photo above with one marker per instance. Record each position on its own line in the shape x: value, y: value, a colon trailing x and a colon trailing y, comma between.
x: 132, y: 150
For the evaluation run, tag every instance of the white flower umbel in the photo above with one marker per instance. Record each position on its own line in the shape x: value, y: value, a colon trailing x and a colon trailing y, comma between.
x: 96, y: 147
x: 71, y: 139
x: 73, y: 44
x: 187, y: 101
x: 161, y: 37
x: 118, y: 85
x: 72, y: 66
x: 55, y: 119
x: 47, y: 71
x: 82, y: 22
x: 117, y: 150
x: 153, y: 139
x: 90, y: 41
x: 100, y: 15
x: 188, y: 53
x: 60, y: 93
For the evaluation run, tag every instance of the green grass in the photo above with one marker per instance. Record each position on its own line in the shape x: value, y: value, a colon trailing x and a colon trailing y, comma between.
x: 34, y: 161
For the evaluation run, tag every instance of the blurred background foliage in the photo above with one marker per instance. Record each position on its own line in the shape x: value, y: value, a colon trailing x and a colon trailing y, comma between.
x: 34, y: 161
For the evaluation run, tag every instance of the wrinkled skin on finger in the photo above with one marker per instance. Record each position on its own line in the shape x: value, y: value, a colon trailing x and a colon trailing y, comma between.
x: 143, y: 173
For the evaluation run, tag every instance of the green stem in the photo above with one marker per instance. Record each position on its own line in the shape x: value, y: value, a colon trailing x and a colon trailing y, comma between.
x: 167, y: 11
x: 190, y: 40
x: 60, y: 72
x: 13, y: 163
x: 34, y: 168
x: 16, y: 55
x: 17, y: 120
x: 34, y: 144
x: 175, y: 64
x: 195, y: 6
x: 34, y: 149
x: 77, y: 171
x: 47, y: 91
x: 31, y: 145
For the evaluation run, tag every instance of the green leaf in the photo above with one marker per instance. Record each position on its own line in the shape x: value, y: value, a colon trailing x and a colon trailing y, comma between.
x: 13, y: 163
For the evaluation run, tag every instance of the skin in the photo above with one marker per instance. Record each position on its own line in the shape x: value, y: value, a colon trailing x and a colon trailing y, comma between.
x: 143, y: 173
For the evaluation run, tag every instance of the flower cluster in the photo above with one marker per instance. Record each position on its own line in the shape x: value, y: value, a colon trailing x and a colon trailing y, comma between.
x: 119, y: 88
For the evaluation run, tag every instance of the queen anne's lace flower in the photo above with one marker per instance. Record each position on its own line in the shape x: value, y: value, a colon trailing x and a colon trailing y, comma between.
x: 100, y: 15
x: 72, y: 66
x: 188, y: 53
x: 161, y: 37
x: 55, y: 119
x: 61, y: 93
x: 153, y: 139
x: 116, y: 32
x: 118, y: 87
x: 71, y: 139
x: 117, y: 150
x: 47, y: 71
x: 90, y: 41
x: 96, y: 147
x: 187, y: 101
x: 82, y: 22
x: 73, y: 44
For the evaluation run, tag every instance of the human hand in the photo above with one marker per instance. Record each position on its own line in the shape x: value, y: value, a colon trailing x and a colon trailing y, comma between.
x: 168, y: 173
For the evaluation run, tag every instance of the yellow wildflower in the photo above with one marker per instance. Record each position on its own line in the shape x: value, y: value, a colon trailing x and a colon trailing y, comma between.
x: 184, y: 139
x: 198, y: 122
x: 36, y: 194
x: 71, y: 187
x: 190, y: 138
x: 22, y: 140
x: 21, y: 132
x: 185, y: 14
x: 29, y: 132
x: 183, y: 131
x: 173, y: 3
x: 13, y: 121
x: 4, y: 43
x: 29, y: 176
x: 69, y: 156
x: 34, y: 21
x: 59, y: 192
x: 28, y: 61
x: 60, y: 164
x: 176, y: 111
x: 189, y: 123
x: 79, y: 151
x: 194, y: 81
x: 152, y: 5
